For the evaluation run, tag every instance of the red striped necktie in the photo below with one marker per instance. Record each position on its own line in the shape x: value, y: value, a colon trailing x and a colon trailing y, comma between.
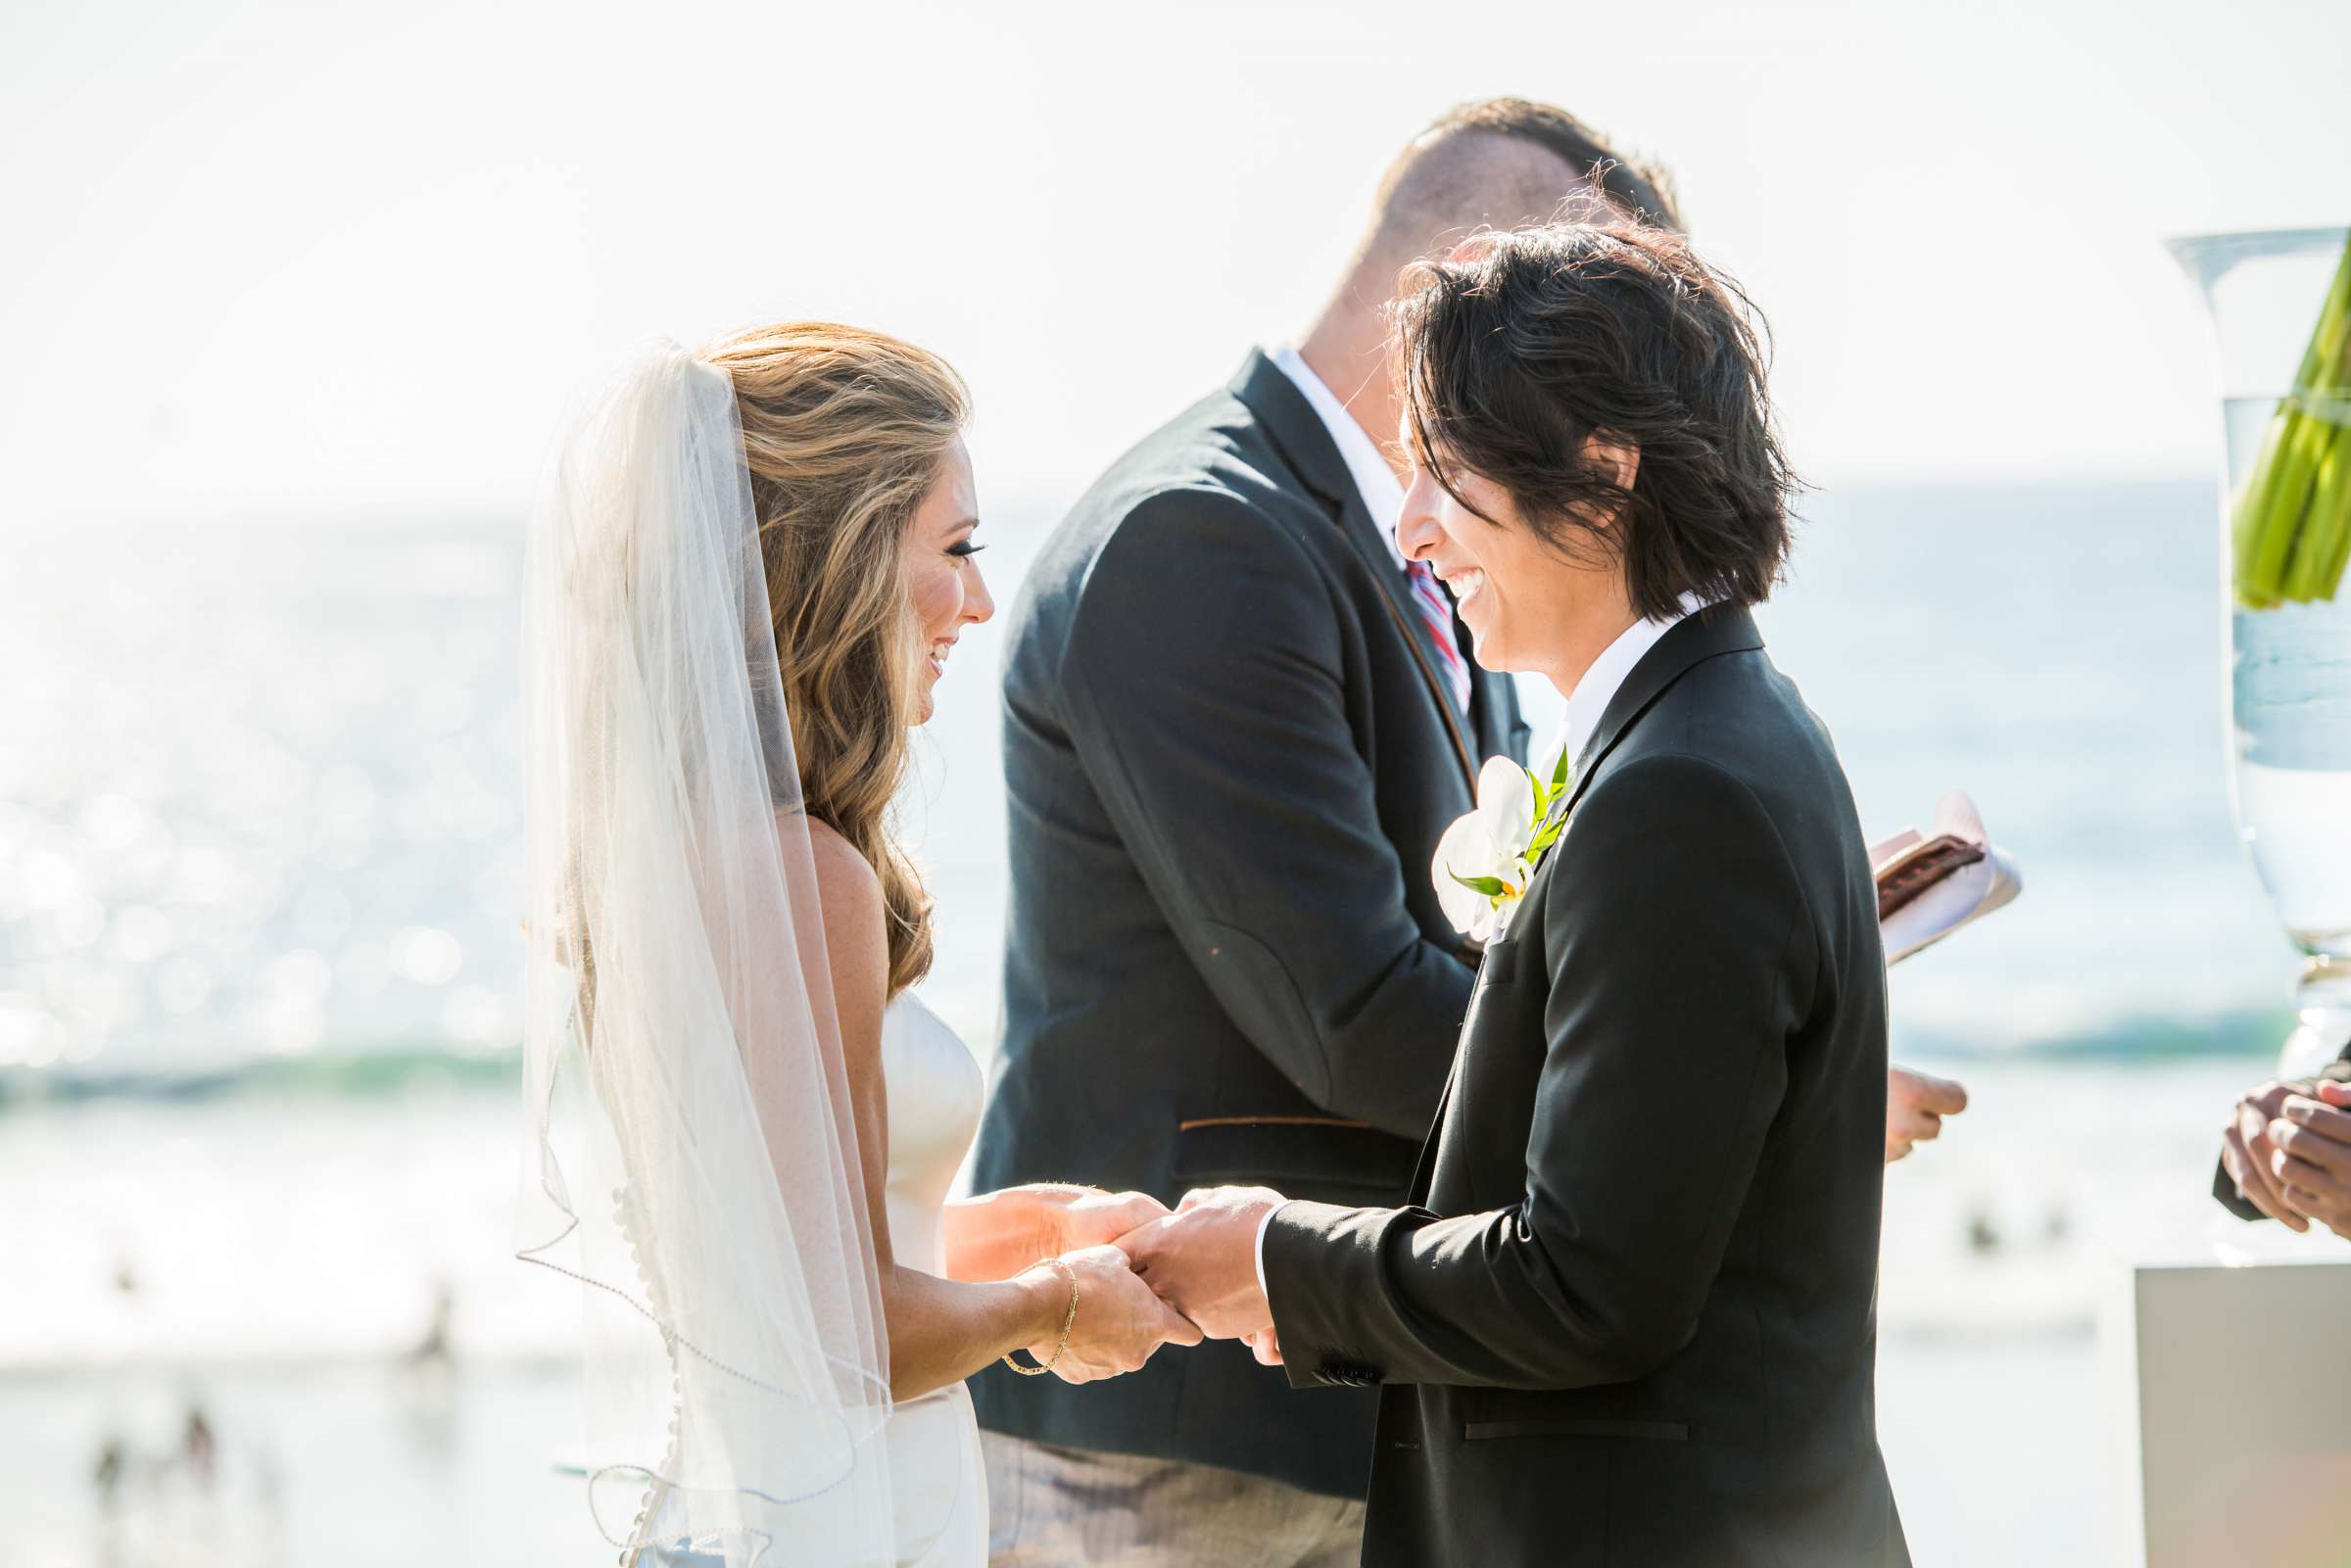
x: 1437, y: 610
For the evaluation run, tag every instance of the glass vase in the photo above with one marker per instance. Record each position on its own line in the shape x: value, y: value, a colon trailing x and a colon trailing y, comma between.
x: 2277, y: 300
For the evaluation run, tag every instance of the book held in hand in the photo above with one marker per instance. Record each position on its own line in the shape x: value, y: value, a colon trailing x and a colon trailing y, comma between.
x: 1930, y: 884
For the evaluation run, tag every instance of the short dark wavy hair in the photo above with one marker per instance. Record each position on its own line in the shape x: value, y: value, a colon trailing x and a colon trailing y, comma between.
x: 1514, y: 351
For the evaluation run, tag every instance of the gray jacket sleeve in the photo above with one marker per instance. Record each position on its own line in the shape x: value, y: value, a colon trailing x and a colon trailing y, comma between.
x: 1205, y: 686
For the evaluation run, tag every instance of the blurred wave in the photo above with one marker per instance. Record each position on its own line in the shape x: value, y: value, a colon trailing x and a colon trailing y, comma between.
x: 2250, y: 1037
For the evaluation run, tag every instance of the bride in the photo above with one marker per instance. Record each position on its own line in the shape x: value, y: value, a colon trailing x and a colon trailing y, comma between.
x: 747, y: 574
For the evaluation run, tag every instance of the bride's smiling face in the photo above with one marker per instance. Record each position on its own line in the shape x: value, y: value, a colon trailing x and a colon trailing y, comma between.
x: 944, y: 590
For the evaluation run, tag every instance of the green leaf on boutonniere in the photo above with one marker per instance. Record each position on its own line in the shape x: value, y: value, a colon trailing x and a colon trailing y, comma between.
x: 1549, y: 837
x: 1489, y: 887
x: 1550, y: 791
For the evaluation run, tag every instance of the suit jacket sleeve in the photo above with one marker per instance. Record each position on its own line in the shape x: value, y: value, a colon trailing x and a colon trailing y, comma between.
x: 2224, y: 1190
x: 1680, y: 958
x: 1204, y: 687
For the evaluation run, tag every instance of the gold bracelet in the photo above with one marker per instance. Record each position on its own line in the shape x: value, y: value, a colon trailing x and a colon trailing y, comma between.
x: 1068, y: 1321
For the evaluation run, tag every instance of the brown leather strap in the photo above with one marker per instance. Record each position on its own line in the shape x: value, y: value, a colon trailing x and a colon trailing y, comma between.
x: 1269, y: 1121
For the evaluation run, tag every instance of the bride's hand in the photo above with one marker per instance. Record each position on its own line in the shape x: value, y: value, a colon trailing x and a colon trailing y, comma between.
x: 1120, y: 1320
x: 1070, y: 1218
x: 997, y: 1235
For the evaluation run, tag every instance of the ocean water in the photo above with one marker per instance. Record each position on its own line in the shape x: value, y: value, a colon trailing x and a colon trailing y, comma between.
x: 260, y: 876
x: 259, y: 788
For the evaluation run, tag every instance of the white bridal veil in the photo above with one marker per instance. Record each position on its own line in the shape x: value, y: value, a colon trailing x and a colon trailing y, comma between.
x: 691, y: 1155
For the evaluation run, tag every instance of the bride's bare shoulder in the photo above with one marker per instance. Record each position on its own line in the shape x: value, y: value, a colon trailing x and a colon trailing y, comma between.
x: 856, y: 931
x: 839, y: 868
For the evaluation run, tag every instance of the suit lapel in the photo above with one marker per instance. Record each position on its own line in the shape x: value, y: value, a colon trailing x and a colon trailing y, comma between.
x: 1697, y: 638
x: 1424, y: 1173
x: 1282, y: 409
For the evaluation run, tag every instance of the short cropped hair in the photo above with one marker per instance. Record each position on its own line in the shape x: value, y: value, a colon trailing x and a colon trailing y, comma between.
x: 1524, y: 345
x: 1642, y: 186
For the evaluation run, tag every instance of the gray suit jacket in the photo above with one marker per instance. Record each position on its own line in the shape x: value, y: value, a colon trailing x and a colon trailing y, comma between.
x: 1228, y: 763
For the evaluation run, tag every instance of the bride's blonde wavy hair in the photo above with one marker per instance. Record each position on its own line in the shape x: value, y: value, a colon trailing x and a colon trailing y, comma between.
x: 844, y: 431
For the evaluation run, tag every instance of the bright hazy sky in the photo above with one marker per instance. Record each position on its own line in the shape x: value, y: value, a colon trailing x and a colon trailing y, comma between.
x: 340, y: 262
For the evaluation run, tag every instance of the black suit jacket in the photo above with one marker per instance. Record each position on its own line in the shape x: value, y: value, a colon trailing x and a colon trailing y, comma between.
x: 1630, y: 1318
x: 1228, y: 763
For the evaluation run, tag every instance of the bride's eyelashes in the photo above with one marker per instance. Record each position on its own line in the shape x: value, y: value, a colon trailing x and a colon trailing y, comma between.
x: 965, y: 549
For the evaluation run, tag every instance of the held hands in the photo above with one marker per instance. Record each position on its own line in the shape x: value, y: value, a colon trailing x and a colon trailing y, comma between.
x: 2310, y: 1158
x: 2251, y: 1157
x: 1202, y: 1260
x: 1168, y: 1279
x: 1066, y: 1217
x: 1119, y: 1323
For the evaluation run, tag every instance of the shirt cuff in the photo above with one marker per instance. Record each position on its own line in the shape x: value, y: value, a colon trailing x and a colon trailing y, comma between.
x: 1262, y: 1226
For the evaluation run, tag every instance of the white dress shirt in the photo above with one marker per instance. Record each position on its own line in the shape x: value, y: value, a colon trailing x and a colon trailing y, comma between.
x: 1590, y: 699
x: 1598, y: 688
x: 1375, y: 480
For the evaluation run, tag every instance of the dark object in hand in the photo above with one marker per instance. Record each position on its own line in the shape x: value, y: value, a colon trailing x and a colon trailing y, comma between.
x: 1919, y: 868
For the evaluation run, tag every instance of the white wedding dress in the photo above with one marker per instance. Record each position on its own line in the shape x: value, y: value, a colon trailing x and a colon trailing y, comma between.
x: 938, y: 1490
x: 690, y: 1149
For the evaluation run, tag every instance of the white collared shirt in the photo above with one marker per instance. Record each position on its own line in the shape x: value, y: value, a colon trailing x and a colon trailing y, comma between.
x: 1375, y: 480
x: 1599, y: 684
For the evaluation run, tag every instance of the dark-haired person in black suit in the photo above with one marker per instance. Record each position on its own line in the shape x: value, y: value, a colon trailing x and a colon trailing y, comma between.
x: 1627, y: 1314
x: 1236, y: 723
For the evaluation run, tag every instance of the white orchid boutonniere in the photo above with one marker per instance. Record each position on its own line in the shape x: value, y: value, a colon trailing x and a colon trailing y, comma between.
x: 1487, y: 859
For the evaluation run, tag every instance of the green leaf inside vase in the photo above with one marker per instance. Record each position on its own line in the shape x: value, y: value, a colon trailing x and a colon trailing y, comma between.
x: 2291, y: 523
